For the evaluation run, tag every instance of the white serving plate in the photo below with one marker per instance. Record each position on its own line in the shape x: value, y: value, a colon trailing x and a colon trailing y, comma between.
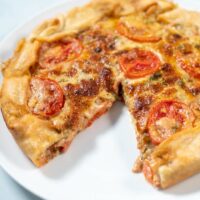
x: 98, y: 164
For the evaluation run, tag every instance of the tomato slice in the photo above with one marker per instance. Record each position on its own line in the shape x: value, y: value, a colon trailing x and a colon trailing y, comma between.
x: 46, y: 98
x: 137, y: 34
x: 166, y: 118
x: 52, y: 54
x: 139, y: 63
x: 191, y: 64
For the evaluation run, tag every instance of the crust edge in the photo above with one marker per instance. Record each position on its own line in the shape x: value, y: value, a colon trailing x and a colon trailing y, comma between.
x: 176, y: 159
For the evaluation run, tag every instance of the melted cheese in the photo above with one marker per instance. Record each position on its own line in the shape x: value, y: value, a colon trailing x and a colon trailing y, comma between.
x: 167, y: 126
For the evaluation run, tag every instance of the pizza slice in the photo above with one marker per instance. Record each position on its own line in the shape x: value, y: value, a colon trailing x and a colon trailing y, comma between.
x: 161, y: 89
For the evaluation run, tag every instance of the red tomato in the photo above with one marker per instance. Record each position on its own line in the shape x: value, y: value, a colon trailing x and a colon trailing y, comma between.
x: 52, y: 54
x: 166, y: 118
x: 191, y: 64
x: 46, y: 98
x: 136, y: 34
x: 138, y: 63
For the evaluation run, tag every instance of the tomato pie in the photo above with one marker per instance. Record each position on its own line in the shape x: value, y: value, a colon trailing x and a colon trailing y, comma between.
x: 71, y: 69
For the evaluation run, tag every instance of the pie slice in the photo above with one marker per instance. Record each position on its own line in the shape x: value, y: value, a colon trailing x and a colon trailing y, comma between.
x: 71, y: 69
x: 161, y: 90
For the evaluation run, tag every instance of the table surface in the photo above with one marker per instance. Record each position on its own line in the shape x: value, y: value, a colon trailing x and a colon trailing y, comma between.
x: 12, y: 14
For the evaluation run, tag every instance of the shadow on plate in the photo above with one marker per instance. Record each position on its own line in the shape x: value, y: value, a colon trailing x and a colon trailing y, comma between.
x: 189, y: 186
x: 82, y: 145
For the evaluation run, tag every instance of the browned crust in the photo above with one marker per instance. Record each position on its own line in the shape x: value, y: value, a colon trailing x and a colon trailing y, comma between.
x: 177, y: 158
x: 44, y: 156
x: 41, y: 160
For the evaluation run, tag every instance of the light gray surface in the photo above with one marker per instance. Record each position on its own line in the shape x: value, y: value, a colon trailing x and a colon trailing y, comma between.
x: 10, y: 190
x: 12, y: 14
